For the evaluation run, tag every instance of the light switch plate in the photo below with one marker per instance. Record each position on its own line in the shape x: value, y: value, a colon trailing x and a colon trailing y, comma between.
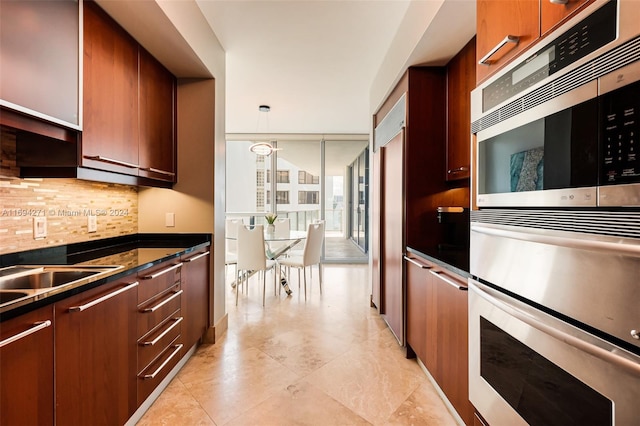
x: 39, y: 227
x: 170, y: 220
x: 92, y: 223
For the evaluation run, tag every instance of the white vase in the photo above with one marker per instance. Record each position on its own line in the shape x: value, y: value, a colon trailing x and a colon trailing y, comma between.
x: 271, y: 228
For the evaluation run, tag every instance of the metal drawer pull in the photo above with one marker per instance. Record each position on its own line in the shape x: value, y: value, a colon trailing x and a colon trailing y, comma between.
x: 507, y: 39
x: 609, y: 356
x: 586, y: 244
x: 166, y: 361
x: 37, y: 326
x: 164, y: 271
x: 161, y: 304
x: 162, y: 172
x: 458, y: 170
x: 448, y: 281
x: 112, y: 161
x: 164, y: 333
x: 420, y: 265
x: 102, y: 299
x: 191, y: 259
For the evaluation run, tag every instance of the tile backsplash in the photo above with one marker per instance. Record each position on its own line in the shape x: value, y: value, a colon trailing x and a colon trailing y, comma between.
x: 65, y: 204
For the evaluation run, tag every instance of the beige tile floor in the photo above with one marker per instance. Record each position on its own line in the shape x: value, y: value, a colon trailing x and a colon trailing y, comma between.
x: 328, y: 361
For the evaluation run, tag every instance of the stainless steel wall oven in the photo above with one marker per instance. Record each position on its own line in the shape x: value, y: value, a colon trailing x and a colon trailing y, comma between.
x: 554, y: 323
x: 560, y: 127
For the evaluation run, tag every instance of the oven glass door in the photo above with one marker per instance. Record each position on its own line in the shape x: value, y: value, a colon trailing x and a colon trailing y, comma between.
x: 542, y: 393
x: 529, y: 368
x: 555, y: 151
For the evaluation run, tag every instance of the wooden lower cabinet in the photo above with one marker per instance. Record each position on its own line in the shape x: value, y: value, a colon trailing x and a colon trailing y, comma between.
x: 159, y: 322
x: 437, y: 329
x: 26, y: 369
x: 452, y: 370
x: 195, y: 300
x: 95, y: 363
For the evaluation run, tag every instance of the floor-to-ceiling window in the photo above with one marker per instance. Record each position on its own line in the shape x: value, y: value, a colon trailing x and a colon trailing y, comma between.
x: 305, y: 180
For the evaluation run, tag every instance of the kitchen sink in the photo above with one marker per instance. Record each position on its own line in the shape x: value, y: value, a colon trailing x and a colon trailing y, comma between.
x: 46, y: 277
x: 8, y: 296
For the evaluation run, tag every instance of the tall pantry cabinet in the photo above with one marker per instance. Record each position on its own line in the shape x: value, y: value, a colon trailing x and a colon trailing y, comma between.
x: 409, y: 144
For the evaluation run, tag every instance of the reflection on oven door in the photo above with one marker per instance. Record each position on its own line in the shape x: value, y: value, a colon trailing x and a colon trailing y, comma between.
x: 528, y: 368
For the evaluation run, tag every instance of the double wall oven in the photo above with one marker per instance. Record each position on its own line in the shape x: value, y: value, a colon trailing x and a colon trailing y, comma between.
x: 554, y: 316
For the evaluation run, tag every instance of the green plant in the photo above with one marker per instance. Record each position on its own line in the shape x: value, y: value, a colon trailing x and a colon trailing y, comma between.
x: 271, y: 218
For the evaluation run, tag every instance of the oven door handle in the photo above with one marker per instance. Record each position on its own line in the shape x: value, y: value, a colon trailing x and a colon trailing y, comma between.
x: 574, y: 243
x: 529, y: 319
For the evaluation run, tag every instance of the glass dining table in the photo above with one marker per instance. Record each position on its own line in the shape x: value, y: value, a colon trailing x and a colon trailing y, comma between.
x: 276, y: 245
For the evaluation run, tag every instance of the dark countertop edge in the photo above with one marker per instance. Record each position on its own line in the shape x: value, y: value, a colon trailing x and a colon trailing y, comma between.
x: 462, y: 273
x: 127, y: 244
x: 59, y: 255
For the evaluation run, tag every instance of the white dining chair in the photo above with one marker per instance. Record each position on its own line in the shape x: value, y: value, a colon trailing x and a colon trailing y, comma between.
x: 282, y: 228
x: 311, y: 255
x: 252, y: 258
x: 230, y: 243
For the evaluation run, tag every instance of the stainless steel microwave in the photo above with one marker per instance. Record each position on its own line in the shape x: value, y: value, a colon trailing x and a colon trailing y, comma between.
x: 559, y: 127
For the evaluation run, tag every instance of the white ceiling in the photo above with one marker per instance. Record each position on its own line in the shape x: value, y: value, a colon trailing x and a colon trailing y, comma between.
x: 313, y: 62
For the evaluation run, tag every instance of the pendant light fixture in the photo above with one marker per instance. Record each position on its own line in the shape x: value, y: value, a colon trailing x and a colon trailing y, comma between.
x: 263, y: 148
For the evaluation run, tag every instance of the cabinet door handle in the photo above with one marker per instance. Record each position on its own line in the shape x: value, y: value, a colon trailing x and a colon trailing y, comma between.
x: 102, y: 299
x: 154, y: 170
x: 166, y: 361
x: 507, y: 39
x: 418, y: 264
x: 164, y: 333
x: 458, y: 170
x: 37, y: 326
x: 191, y: 259
x: 159, y: 273
x: 448, y: 281
x: 161, y: 304
x: 112, y: 161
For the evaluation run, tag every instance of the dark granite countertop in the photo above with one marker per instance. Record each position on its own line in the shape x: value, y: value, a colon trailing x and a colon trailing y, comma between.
x: 133, y: 252
x: 456, y: 261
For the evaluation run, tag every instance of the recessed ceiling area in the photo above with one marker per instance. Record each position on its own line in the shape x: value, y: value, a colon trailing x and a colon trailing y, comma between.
x: 314, y: 62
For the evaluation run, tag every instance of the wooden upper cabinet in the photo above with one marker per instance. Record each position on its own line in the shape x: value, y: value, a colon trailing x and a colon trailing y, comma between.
x: 110, y: 122
x: 461, y: 80
x: 497, y: 19
x: 157, y: 117
x: 553, y: 14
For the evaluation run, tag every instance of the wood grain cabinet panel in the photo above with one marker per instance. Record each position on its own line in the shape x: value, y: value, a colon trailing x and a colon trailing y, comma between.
x: 95, y: 363
x: 496, y: 20
x: 110, y: 122
x: 553, y: 14
x: 461, y: 80
x: 452, y: 371
x: 195, y: 301
x: 437, y: 329
x: 26, y: 369
x: 157, y: 120
x: 418, y: 281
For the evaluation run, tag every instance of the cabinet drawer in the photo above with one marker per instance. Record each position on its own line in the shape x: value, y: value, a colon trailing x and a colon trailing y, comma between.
x: 151, y: 377
x: 153, y: 312
x: 154, y: 281
x: 154, y: 342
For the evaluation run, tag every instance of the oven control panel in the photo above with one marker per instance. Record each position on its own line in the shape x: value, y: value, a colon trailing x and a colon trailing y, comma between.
x: 593, y: 32
x: 619, y: 121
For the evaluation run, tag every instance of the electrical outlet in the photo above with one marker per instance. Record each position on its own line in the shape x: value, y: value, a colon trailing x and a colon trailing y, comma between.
x: 92, y: 223
x: 170, y: 220
x: 39, y: 227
